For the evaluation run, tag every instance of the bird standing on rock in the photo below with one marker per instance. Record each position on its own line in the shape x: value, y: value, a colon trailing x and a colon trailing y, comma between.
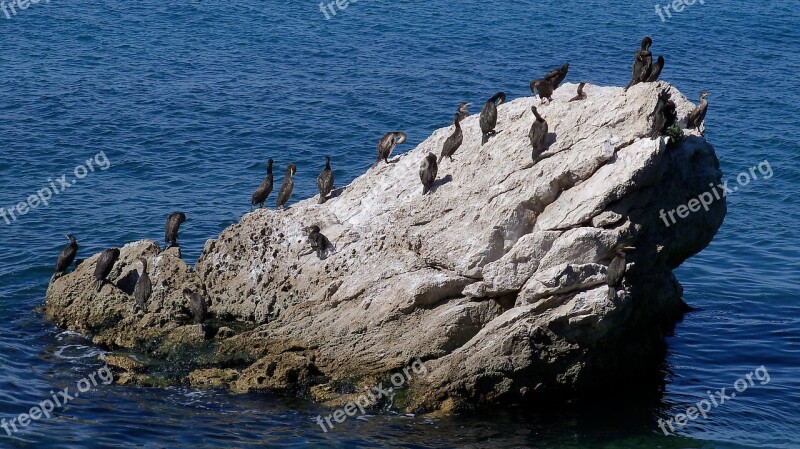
x: 462, y: 111
x: 664, y: 115
x: 581, y: 95
x: 286, y: 188
x: 488, y: 119
x: 264, y: 189
x: 143, y: 288
x: 427, y: 172
x: 66, y: 257
x: 325, y: 180
x: 173, y: 225
x: 616, y: 271
x: 557, y: 76
x: 544, y: 88
x: 454, y: 141
x: 318, y: 242
x: 104, y: 265
x: 698, y: 114
x: 537, y: 134
x: 388, y: 143
x: 642, y: 60
x: 198, y: 308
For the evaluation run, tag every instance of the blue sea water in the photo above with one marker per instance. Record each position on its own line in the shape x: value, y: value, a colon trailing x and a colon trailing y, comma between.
x: 186, y: 101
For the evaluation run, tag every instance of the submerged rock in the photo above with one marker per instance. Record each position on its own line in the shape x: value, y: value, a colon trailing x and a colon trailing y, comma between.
x: 497, y: 279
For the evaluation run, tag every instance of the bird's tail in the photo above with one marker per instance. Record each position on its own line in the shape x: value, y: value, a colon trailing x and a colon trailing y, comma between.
x: 441, y: 156
x: 99, y: 285
x: 485, y: 138
x: 321, y: 198
x: 53, y: 277
x: 612, y: 293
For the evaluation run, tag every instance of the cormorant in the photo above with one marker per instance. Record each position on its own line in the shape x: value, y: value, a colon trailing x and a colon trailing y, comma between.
x: 198, y: 307
x: 387, y: 144
x: 655, y: 70
x: 143, y: 288
x: 544, y: 88
x: 556, y: 76
x: 427, y: 172
x: 325, y: 180
x: 581, y: 94
x: 616, y: 271
x: 286, y: 189
x: 173, y: 224
x: 264, y: 189
x: 317, y: 240
x: 66, y: 257
x: 664, y: 115
x: 488, y: 119
x: 642, y: 60
x: 537, y: 134
x: 698, y: 115
x: 454, y: 141
x: 462, y: 111
x: 104, y: 265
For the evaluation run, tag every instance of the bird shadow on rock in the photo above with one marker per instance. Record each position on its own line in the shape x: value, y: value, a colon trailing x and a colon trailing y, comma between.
x: 548, y: 141
x: 128, y: 283
x: 335, y: 193
x: 440, y: 182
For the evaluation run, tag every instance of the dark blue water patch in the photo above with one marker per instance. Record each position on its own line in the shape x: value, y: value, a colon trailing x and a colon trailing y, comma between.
x: 188, y: 100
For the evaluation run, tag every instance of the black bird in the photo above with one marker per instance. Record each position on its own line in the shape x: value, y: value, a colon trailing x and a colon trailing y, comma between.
x: 454, y: 141
x: 655, y: 70
x: 288, y: 184
x: 264, y: 189
x: 66, y: 257
x: 387, y: 144
x: 664, y: 115
x: 537, y: 134
x: 143, y: 288
x: 462, y: 111
x: 557, y: 76
x: 642, y: 59
x: 488, y: 119
x: 427, y: 172
x: 104, y: 265
x: 325, y: 180
x: 318, y: 242
x: 581, y: 94
x: 173, y: 225
x: 616, y: 271
x: 544, y: 88
x: 698, y: 114
x: 198, y: 308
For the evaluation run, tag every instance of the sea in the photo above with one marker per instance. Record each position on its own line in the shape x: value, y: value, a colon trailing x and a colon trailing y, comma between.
x: 127, y: 111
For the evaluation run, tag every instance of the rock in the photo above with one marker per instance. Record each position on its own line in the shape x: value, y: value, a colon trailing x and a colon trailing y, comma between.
x: 212, y: 378
x: 496, y: 279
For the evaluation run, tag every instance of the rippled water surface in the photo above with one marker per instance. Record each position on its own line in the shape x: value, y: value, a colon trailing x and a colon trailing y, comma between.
x: 188, y: 99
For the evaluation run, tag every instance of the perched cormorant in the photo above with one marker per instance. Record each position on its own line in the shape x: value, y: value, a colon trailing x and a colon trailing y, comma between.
x: 488, y: 119
x: 264, y: 189
x: 66, y: 257
x: 616, y: 271
x: 104, y: 265
x: 173, y: 225
x: 544, y: 88
x: 286, y: 189
x: 454, y: 141
x: 387, y: 144
x: 537, y: 134
x: 319, y: 243
x: 581, y: 94
x: 198, y: 307
x: 325, y: 180
x: 697, y: 115
x: 642, y: 60
x: 143, y: 288
x: 556, y: 76
x: 664, y: 115
x: 462, y: 111
x: 655, y: 70
x: 427, y: 172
